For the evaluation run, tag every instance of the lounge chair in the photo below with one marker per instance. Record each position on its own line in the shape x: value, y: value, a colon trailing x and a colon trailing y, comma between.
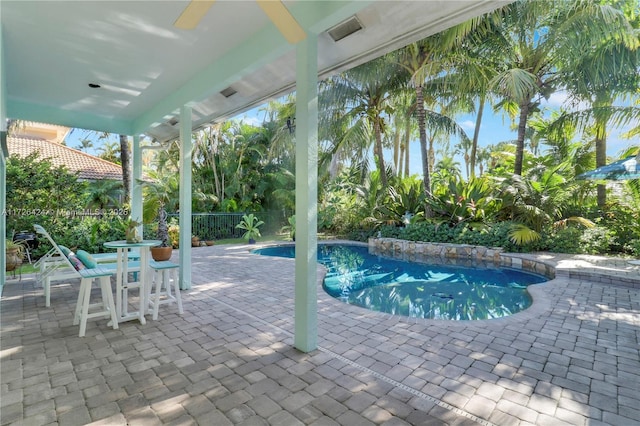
x: 56, y: 265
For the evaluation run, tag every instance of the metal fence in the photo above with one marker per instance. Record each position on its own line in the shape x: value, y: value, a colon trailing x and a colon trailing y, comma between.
x: 217, y: 226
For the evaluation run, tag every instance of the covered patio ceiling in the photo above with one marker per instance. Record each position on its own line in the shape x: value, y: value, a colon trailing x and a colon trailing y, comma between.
x: 147, y: 68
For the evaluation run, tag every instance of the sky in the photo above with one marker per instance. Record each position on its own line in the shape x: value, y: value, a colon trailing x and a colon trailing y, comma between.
x: 494, y: 128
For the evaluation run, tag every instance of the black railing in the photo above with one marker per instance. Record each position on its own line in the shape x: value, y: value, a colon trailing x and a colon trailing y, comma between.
x: 217, y: 226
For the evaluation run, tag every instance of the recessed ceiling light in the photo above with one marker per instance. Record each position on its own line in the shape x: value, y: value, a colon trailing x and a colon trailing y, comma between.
x: 94, y: 85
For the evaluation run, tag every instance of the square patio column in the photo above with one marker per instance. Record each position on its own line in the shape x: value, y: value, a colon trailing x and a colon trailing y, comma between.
x: 306, y: 298
x: 4, y: 152
x: 186, y: 150
x: 3, y: 206
x: 136, y: 175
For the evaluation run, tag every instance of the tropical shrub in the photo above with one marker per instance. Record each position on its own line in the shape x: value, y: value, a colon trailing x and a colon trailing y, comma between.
x: 339, y: 211
x: 493, y: 235
x: 622, y: 222
x: 595, y: 240
x: 459, y: 202
x: 251, y: 225
x: 407, y: 196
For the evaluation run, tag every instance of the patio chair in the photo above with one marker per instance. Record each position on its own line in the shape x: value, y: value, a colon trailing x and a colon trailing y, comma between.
x: 165, y: 273
x: 57, y: 265
x: 99, y: 257
x: 86, y: 310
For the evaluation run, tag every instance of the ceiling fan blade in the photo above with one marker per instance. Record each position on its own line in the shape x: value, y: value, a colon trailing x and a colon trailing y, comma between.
x: 192, y: 14
x: 283, y: 20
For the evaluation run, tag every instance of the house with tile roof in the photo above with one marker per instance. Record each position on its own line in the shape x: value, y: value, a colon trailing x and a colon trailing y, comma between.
x: 47, y: 140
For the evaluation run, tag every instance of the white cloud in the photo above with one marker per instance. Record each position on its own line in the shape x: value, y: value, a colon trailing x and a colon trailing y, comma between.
x: 468, y: 125
x: 557, y: 99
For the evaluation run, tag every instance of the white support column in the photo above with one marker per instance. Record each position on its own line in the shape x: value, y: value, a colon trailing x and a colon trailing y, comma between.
x: 186, y: 148
x: 3, y: 163
x: 3, y: 211
x: 136, y: 188
x: 306, y: 297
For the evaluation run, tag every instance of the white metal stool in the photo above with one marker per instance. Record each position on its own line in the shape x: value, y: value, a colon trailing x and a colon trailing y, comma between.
x: 106, y: 306
x: 159, y: 292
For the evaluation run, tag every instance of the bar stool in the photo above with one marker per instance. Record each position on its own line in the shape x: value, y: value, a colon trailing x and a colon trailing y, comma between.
x: 163, y: 273
x: 106, y: 307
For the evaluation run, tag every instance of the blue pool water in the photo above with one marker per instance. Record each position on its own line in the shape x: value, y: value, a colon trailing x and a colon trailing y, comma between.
x: 420, y: 290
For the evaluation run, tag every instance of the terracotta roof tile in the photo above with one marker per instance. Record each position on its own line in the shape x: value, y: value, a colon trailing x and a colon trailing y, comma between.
x: 87, y: 166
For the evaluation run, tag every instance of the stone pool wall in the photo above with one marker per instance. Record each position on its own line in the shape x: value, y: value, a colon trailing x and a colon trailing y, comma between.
x: 456, y: 254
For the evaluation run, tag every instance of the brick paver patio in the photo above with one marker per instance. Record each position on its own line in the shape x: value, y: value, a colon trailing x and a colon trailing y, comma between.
x: 572, y: 358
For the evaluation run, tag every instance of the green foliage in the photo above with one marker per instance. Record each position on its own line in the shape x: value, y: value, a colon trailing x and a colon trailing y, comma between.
x: 37, y: 192
x: 405, y: 196
x: 291, y: 227
x: 521, y: 234
x: 250, y: 224
x: 90, y: 233
x: 622, y: 223
x: 495, y: 235
x: 53, y: 197
x: 595, y: 240
x: 456, y: 201
x: 340, y: 209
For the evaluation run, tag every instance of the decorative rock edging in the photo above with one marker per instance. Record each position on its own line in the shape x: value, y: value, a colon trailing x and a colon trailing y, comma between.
x: 456, y: 254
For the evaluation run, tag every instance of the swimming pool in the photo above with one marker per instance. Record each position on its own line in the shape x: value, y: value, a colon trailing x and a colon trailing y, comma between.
x: 419, y: 290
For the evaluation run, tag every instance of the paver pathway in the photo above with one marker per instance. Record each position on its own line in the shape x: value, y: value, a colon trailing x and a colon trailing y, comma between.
x: 572, y: 358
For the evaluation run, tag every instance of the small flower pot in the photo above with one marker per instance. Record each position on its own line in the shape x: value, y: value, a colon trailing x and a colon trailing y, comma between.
x: 160, y: 254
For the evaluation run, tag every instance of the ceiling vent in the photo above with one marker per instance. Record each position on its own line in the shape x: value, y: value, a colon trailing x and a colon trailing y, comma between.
x: 229, y: 91
x: 345, y: 28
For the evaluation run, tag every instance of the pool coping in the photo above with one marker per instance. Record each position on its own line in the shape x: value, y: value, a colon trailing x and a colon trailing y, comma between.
x: 539, y: 263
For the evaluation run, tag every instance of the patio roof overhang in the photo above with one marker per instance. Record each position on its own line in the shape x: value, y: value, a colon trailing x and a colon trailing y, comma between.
x: 162, y: 81
x: 147, y: 68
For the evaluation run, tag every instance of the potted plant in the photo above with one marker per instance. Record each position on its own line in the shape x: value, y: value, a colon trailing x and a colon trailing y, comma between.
x: 160, y: 192
x: 13, y: 252
x: 131, y: 231
x: 250, y: 224
x: 164, y: 250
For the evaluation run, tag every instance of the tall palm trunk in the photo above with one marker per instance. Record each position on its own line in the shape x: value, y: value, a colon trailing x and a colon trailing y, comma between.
x: 378, y: 134
x: 396, y: 150
x: 476, y: 134
x: 522, y: 125
x: 601, y: 158
x: 407, y: 140
x: 423, y: 140
x: 126, y: 168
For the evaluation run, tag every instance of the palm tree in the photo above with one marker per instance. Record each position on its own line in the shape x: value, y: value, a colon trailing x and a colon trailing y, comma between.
x: 364, y: 93
x: 473, y: 70
x: 540, y: 46
x: 126, y: 168
x: 85, y: 144
x: 161, y: 192
x: 104, y: 194
x: 109, y: 151
x: 483, y: 156
x: 608, y: 73
x: 425, y: 62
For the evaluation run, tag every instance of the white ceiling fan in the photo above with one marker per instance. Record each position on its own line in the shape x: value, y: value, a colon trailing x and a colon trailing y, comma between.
x: 274, y: 9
